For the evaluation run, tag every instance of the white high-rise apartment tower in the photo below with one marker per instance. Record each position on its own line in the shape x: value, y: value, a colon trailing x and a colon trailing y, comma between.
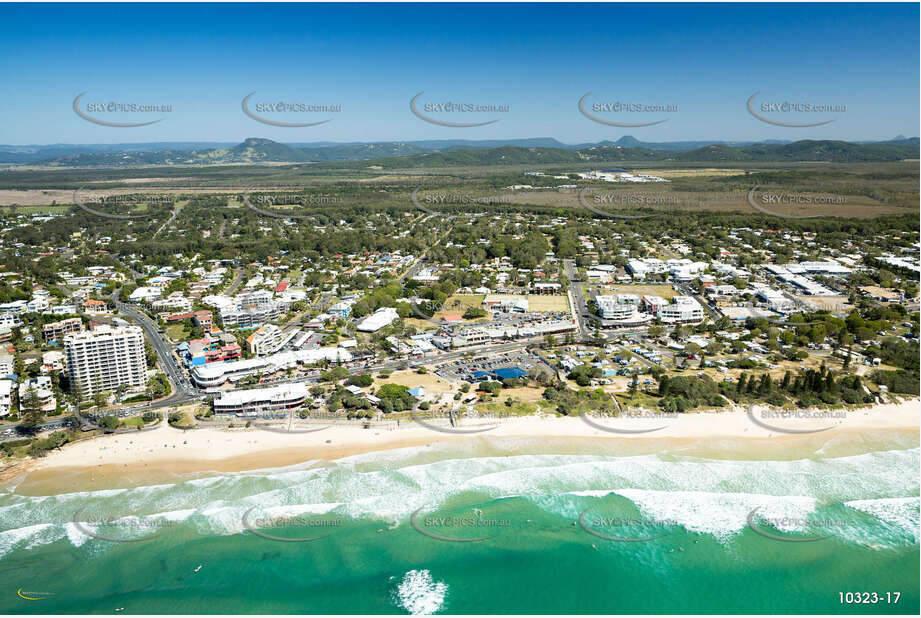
x: 103, y: 359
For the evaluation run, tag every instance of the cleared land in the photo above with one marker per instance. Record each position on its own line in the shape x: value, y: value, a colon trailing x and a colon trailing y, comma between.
x: 410, y: 379
x: 692, y: 173
x: 539, y: 303
x: 460, y: 302
x: 611, y: 197
x: 665, y: 291
x: 837, y: 304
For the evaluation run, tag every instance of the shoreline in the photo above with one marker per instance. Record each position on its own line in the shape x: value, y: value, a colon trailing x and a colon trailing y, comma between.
x: 166, y: 454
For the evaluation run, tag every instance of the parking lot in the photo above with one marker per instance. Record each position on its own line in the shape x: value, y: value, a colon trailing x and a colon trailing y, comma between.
x: 464, y: 369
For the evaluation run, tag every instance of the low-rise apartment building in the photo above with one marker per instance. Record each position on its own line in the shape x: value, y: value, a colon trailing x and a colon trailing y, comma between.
x: 55, y: 331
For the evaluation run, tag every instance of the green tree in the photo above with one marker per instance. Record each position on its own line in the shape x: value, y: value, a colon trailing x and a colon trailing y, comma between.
x: 30, y: 409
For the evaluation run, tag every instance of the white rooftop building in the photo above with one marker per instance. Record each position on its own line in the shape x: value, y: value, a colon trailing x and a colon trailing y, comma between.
x: 254, y: 401
x: 378, y: 320
x: 41, y: 387
x: 215, y: 374
x: 682, y: 309
x: 6, y: 401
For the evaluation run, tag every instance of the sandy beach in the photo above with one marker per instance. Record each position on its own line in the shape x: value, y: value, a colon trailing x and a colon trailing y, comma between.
x: 164, y: 452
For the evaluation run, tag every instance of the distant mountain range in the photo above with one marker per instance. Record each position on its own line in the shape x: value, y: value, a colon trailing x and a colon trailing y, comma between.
x: 453, y: 152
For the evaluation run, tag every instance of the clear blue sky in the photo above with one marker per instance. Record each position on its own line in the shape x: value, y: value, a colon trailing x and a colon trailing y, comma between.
x: 538, y: 59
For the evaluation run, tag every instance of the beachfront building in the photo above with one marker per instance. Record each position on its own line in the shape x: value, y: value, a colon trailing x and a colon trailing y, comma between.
x: 106, y: 358
x: 261, y: 400
x: 41, y: 388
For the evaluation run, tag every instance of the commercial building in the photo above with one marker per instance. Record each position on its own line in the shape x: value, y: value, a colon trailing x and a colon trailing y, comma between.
x: 261, y: 400
x: 653, y: 304
x: 216, y: 374
x: 682, y: 309
x: 610, y: 308
x: 378, y: 320
x: 775, y: 300
x: 106, y: 358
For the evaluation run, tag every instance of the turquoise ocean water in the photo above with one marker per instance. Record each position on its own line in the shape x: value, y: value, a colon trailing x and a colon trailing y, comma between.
x: 487, y: 526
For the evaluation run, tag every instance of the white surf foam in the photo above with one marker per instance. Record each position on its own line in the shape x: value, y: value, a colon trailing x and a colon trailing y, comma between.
x: 419, y: 594
x: 721, y: 515
x: 28, y: 537
x: 901, y: 513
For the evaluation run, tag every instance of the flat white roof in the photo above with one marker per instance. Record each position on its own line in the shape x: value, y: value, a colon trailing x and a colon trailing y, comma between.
x: 278, y: 393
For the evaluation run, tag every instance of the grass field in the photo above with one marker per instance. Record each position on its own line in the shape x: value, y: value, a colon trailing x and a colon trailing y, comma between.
x: 177, y: 332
